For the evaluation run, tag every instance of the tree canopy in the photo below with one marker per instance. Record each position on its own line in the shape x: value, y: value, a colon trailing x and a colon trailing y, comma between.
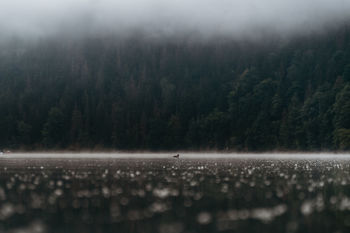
x: 169, y: 95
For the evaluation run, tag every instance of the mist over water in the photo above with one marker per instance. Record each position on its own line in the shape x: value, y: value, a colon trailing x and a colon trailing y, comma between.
x: 183, y: 155
x: 237, y: 19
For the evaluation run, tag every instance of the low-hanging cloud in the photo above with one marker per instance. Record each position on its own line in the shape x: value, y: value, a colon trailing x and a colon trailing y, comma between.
x: 207, y: 18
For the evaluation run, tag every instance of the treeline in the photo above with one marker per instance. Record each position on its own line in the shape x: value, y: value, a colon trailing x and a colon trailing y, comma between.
x: 135, y: 94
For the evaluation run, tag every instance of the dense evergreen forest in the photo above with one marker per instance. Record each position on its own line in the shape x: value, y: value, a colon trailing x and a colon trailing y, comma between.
x: 177, y: 94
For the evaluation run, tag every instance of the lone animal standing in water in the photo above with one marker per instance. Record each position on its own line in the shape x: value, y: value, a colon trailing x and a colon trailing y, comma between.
x: 176, y: 156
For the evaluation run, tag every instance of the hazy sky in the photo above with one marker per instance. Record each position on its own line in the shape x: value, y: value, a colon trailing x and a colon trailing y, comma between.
x: 233, y: 18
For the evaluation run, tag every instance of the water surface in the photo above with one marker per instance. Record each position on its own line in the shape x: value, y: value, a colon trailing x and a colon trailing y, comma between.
x: 157, y: 193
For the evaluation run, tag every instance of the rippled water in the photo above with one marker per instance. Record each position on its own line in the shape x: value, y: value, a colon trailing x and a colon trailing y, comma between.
x: 157, y: 193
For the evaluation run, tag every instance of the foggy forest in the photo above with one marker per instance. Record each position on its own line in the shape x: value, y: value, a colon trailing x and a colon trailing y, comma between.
x: 174, y: 116
x: 189, y: 75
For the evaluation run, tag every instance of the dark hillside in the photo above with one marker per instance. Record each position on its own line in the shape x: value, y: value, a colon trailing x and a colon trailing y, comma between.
x: 168, y: 95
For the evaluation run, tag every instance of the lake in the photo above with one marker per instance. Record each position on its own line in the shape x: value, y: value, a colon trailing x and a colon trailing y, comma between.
x: 157, y: 193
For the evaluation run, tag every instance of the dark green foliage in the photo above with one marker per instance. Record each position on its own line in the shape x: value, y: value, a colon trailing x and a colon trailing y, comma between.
x: 170, y: 95
x: 346, y: 74
x: 342, y: 108
x: 54, y: 130
x: 342, y: 138
x: 210, y: 131
x: 24, y: 132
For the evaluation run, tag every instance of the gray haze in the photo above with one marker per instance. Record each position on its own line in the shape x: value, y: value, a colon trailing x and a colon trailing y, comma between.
x: 204, y: 18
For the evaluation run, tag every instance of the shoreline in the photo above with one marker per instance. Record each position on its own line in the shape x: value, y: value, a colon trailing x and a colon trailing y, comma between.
x: 183, y: 155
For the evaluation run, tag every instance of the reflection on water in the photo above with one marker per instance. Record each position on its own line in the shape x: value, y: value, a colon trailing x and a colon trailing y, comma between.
x: 169, y: 195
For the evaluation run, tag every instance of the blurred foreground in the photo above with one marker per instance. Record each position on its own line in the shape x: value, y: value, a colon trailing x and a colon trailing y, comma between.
x: 169, y: 195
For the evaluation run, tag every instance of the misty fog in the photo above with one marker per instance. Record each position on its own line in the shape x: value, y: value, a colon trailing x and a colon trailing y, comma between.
x: 33, y: 19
